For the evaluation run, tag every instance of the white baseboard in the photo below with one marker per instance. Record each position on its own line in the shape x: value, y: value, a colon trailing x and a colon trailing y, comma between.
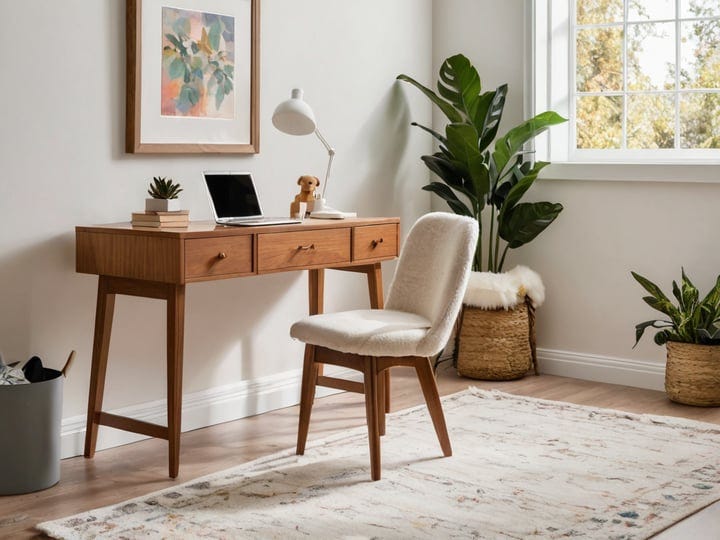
x: 200, y: 409
x: 608, y: 369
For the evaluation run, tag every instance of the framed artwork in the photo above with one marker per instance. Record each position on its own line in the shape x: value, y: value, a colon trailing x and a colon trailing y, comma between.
x: 192, y: 76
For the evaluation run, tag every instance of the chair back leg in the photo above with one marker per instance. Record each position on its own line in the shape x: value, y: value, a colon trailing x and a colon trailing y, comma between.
x: 307, y: 396
x: 370, y: 377
x: 432, y: 398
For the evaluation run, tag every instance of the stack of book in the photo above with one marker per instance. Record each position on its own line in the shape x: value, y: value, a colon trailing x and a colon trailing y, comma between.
x: 180, y: 218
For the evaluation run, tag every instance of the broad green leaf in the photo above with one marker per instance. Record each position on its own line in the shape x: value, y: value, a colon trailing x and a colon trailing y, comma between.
x: 493, y: 115
x: 432, y: 132
x: 480, y: 174
x: 518, y: 190
x: 447, y: 108
x: 462, y: 141
x: 449, y: 196
x: 459, y: 83
x: 512, y: 142
x: 452, y: 172
x: 527, y: 220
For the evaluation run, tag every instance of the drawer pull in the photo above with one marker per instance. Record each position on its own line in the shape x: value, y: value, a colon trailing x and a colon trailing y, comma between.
x: 222, y: 255
x: 375, y: 243
x: 306, y: 248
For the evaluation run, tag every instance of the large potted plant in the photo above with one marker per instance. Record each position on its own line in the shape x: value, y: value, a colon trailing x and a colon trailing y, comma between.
x: 691, y: 334
x: 486, y: 177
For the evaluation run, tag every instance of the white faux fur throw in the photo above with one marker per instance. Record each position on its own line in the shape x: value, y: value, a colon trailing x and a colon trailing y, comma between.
x: 488, y: 290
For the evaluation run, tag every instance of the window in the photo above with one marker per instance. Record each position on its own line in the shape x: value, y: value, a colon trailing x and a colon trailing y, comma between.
x: 639, y: 80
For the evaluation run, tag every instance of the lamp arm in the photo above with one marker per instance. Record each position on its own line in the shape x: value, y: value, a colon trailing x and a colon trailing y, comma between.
x: 331, y: 155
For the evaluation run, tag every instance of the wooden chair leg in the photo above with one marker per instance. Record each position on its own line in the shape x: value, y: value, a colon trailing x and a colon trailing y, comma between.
x: 432, y: 398
x: 387, y: 390
x: 307, y: 396
x: 371, y: 410
x: 381, y: 390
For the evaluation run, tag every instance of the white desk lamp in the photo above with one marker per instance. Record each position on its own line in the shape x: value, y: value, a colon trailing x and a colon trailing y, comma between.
x: 295, y: 117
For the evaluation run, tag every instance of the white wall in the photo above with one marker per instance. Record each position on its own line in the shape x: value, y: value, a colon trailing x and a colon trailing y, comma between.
x: 62, y: 164
x: 586, y: 327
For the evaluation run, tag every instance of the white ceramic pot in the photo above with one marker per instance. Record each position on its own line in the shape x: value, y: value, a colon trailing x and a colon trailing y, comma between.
x: 162, y: 205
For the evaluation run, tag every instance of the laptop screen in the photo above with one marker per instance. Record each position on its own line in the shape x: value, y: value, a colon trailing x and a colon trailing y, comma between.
x: 233, y: 195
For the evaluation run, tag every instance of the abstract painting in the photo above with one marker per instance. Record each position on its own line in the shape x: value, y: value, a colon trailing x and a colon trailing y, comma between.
x: 198, y: 64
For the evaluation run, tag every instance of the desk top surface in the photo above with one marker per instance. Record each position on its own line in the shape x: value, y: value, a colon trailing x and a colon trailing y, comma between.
x: 210, y: 228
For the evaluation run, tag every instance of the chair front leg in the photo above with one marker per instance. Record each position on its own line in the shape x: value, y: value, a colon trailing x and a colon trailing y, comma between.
x: 432, y: 398
x: 371, y: 410
x: 307, y: 396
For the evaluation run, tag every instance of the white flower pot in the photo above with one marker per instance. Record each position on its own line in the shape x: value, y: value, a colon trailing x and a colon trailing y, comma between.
x: 162, y: 205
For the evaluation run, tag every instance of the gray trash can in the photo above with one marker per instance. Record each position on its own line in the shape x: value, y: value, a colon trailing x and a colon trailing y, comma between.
x: 30, y: 418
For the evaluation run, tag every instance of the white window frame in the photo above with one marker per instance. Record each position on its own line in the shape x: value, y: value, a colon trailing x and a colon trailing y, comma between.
x: 550, y: 81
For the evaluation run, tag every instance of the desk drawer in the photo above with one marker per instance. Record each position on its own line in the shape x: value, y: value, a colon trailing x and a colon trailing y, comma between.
x: 218, y: 256
x: 277, y: 251
x: 375, y: 241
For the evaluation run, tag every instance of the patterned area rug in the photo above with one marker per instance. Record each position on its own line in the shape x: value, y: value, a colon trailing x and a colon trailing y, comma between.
x: 521, y: 468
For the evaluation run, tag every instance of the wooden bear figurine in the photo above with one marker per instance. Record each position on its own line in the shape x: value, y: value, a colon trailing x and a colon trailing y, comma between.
x: 307, y: 184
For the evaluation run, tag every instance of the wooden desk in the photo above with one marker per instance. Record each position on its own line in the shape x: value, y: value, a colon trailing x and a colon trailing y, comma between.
x: 155, y: 263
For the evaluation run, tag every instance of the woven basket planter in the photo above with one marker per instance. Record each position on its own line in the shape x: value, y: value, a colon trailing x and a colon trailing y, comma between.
x: 496, y: 344
x: 692, y: 374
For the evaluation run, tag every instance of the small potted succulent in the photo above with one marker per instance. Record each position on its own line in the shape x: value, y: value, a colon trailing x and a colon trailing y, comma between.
x: 691, y: 333
x: 163, y: 195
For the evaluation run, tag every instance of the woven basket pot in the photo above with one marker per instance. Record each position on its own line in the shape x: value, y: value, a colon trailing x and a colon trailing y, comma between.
x: 692, y: 374
x: 496, y: 345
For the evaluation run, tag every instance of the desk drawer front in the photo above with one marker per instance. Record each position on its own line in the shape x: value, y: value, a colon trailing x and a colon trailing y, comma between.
x: 277, y: 251
x: 375, y: 241
x: 218, y: 256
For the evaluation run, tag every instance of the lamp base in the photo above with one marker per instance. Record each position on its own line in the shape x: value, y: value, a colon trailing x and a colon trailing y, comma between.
x: 322, y: 211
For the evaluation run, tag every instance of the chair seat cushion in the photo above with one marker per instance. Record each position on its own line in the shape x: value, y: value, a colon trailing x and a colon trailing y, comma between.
x: 371, y: 332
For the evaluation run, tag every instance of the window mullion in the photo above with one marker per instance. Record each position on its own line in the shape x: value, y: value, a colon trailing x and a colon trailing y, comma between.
x: 625, y: 74
x: 678, y: 28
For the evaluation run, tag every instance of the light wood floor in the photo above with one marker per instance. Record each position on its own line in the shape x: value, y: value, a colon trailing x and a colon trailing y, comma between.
x: 121, y: 473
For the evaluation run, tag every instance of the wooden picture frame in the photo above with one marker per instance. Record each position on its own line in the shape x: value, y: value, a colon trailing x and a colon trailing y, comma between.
x: 192, y: 76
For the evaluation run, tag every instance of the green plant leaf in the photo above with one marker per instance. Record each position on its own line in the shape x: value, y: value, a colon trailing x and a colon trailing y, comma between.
x: 512, y: 142
x: 449, y: 196
x: 432, y: 132
x: 490, y: 122
x: 480, y: 175
x: 690, y: 293
x: 447, y: 108
x: 452, y: 172
x: 462, y: 141
x: 527, y: 220
x: 459, y: 83
x: 519, y: 189
x: 640, y: 328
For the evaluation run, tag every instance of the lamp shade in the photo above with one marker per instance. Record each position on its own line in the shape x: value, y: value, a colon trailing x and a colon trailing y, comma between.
x: 294, y: 116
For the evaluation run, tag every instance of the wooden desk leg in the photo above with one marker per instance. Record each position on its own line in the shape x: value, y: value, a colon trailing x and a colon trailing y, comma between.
x: 375, y: 288
x: 101, y: 346
x: 316, y: 290
x: 175, y: 336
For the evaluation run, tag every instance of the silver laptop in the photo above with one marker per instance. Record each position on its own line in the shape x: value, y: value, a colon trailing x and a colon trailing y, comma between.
x: 234, y: 200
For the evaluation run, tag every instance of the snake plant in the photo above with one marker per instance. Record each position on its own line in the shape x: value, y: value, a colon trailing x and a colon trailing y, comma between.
x: 690, y: 321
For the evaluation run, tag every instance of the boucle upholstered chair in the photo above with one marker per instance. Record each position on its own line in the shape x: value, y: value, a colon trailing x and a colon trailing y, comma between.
x: 423, y: 302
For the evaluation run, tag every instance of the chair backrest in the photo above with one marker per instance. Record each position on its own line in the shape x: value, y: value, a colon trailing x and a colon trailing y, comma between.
x: 433, y: 272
